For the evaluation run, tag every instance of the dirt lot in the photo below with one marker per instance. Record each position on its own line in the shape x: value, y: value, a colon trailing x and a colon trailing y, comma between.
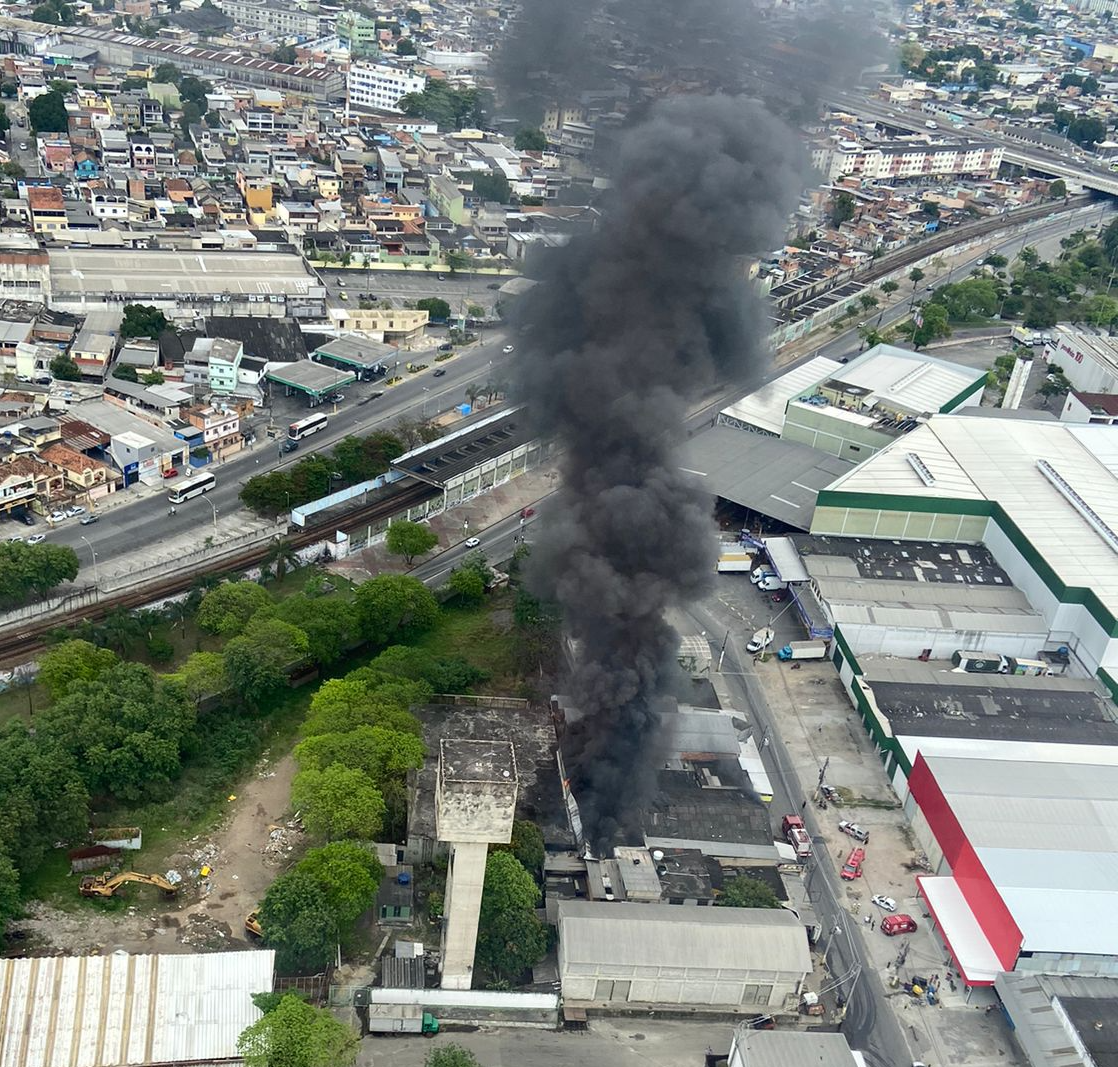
x: 209, y: 911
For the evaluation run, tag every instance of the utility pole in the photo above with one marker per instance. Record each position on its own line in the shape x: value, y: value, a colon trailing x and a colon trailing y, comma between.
x: 722, y: 652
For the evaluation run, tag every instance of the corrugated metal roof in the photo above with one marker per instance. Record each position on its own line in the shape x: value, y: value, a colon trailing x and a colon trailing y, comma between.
x: 109, y: 1011
x: 765, y: 407
x: 665, y: 935
x: 773, y: 1048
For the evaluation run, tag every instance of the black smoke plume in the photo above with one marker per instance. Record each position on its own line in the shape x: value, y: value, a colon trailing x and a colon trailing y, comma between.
x: 630, y: 324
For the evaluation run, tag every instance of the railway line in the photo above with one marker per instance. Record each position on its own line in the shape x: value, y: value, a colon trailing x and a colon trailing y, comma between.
x: 25, y: 642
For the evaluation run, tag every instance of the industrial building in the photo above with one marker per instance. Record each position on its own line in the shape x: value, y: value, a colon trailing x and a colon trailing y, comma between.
x: 118, y: 1009
x: 1088, y: 358
x: 656, y: 956
x: 1041, y: 496
x: 789, y: 1048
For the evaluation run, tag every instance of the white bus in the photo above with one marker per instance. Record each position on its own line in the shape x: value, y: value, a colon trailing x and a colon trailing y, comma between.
x: 305, y: 427
x: 199, y: 484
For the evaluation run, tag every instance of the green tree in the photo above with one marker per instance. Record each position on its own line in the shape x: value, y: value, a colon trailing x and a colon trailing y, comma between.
x: 933, y: 327
x: 15, y: 170
x: 47, y: 113
x: 54, y: 12
x: 437, y: 310
x: 227, y: 608
x: 285, y: 53
x: 930, y: 207
x: 868, y: 301
x: 125, y: 373
x: 510, y: 943
x: 297, y: 1034
x: 508, y: 886
x: 446, y: 675
x: 467, y: 585
x: 405, y: 47
x: 142, y: 320
x: 1058, y: 189
x: 842, y: 208
x: 446, y: 105
x: 530, y: 139
x: 394, y: 607
x: 1099, y: 310
x: 349, y: 876
x: 1084, y: 130
x: 915, y: 276
x: 527, y: 846
x: 166, y: 73
x: 259, y: 660
x: 410, y: 539
x: 5, y: 121
x: 889, y: 287
x: 457, y: 260
x: 65, y: 369
x: 298, y: 923
x: 126, y: 728
x: 203, y: 675
x: 493, y: 186
x: 73, y: 661
x: 344, y: 704
x: 329, y: 622
x: 27, y: 570
x: 281, y: 554
x: 154, y: 378
x: 10, y: 905
x: 742, y: 892
x: 996, y: 261
x: 380, y: 752
x: 338, y: 802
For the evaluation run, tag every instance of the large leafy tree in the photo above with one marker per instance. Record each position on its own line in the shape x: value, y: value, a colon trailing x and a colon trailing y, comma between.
x: 227, y: 608
x: 493, y: 186
x: 142, y: 320
x: 527, y: 846
x: 438, y: 310
x: 47, y: 113
x: 394, y: 607
x: 329, y: 622
x: 73, y: 661
x: 381, y: 752
x: 343, y: 704
x: 450, y: 1056
x: 259, y: 660
x: 298, y: 923
x: 338, y: 802
x: 33, y: 569
x: 530, y: 139
x: 203, y: 675
x: 410, y: 539
x: 349, y: 876
x: 126, y: 728
x: 509, y: 943
x: 297, y: 1034
x: 508, y: 886
x: 10, y: 906
x: 742, y: 892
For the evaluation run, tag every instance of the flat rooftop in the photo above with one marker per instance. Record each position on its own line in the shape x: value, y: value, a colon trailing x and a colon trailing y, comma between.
x: 310, y: 377
x: 991, y: 706
x: 173, y: 274
x: 764, y: 408
x: 465, y: 760
x: 775, y: 478
x: 901, y: 561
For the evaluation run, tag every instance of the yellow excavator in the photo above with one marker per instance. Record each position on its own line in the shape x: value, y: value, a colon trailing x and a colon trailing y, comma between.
x: 103, y: 885
x: 252, y: 923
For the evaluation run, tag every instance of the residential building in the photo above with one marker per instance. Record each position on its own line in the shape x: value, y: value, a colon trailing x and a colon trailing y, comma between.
x: 213, y: 362
x: 379, y: 87
x: 48, y: 210
x: 24, y: 268
x: 1094, y: 408
x: 80, y: 472
x: 907, y: 159
x: 221, y: 429
x: 359, y: 33
x: 282, y: 20
x: 1087, y: 357
x: 446, y: 198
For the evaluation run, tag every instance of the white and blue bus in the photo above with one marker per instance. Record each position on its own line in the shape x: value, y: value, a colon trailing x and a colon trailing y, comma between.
x: 196, y: 486
x: 305, y: 427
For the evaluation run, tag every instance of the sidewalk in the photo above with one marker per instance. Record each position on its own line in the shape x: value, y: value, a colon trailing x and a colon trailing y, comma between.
x: 818, y: 724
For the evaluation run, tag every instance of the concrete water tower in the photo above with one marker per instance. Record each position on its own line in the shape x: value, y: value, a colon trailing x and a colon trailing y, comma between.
x: 475, y: 800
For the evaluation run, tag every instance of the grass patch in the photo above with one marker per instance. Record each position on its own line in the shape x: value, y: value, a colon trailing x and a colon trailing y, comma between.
x: 483, y: 636
x: 14, y: 702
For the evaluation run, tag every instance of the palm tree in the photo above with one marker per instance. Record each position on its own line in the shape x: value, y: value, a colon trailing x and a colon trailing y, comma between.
x: 120, y: 629
x: 282, y: 554
x: 473, y: 391
x: 179, y: 613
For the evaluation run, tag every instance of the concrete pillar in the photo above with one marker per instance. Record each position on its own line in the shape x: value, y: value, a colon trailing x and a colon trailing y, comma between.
x: 465, y: 876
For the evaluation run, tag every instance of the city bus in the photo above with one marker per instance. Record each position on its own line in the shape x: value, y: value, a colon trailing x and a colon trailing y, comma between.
x: 199, y: 484
x: 305, y: 427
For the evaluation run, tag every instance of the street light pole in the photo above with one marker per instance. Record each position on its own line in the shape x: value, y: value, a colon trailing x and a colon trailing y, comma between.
x: 93, y: 553
x: 214, y: 510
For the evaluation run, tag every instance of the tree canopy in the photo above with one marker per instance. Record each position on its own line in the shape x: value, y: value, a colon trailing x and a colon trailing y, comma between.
x: 344, y: 704
x: 742, y: 892
x: 394, y: 607
x: 47, y: 113
x: 142, y: 320
x: 410, y: 539
x: 297, y: 1034
x: 330, y: 624
x: 493, y: 186
x: 349, y: 876
x: 258, y: 661
x: 298, y: 923
x: 73, y: 661
x: 227, y: 608
x: 33, y: 569
x: 338, y: 802
x: 510, y: 936
x: 530, y: 139
x: 438, y: 310
x: 442, y: 103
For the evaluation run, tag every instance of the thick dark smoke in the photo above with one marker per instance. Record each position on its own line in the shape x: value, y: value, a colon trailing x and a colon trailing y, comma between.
x: 629, y: 325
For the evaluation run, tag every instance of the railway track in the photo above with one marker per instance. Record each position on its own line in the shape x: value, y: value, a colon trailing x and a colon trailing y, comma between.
x: 25, y: 642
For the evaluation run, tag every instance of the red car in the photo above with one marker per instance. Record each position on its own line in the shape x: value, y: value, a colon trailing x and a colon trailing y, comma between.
x: 892, y: 925
x: 527, y: 513
x: 171, y: 472
x: 852, y: 868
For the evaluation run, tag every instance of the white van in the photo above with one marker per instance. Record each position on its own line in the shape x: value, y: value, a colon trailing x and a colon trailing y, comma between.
x: 760, y: 572
x: 771, y: 583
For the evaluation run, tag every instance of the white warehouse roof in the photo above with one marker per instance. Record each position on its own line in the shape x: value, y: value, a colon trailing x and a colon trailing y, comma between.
x: 907, y: 380
x: 764, y: 409
x: 666, y: 935
x: 1005, y: 462
x: 111, y: 1011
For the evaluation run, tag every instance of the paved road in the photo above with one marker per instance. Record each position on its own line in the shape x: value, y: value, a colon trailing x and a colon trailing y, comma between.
x: 20, y: 135
x: 129, y: 528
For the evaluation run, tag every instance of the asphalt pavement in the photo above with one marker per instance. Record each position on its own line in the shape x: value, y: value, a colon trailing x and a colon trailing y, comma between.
x: 130, y: 527
x: 458, y: 289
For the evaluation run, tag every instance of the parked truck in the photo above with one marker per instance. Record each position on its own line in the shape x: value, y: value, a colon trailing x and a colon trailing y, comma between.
x: 804, y: 650
x: 397, y: 1019
x: 792, y: 826
x: 734, y: 559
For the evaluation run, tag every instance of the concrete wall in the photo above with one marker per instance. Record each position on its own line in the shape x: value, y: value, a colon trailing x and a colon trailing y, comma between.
x: 817, y: 427
x: 718, y: 990
x: 899, y: 641
x: 906, y: 525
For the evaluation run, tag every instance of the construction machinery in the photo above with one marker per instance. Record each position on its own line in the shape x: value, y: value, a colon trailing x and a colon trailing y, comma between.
x: 103, y: 885
x: 252, y: 924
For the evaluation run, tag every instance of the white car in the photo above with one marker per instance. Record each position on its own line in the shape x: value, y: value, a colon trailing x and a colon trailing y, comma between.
x: 57, y: 516
x: 36, y: 539
x: 885, y: 903
x: 508, y: 348
x: 76, y: 509
x: 473, y: 542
